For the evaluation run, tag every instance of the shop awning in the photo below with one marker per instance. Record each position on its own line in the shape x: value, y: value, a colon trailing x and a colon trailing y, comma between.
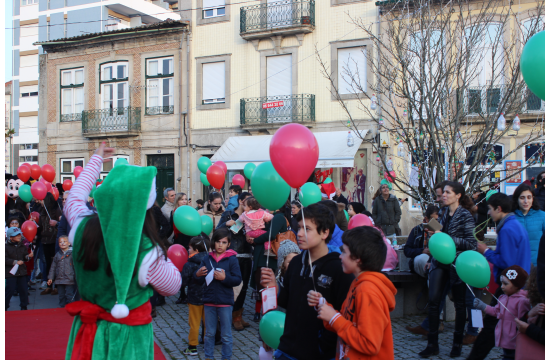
x: 334, y: 151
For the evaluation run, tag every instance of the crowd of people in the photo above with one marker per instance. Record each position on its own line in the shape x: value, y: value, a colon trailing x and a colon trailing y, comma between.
x: 329, y: 279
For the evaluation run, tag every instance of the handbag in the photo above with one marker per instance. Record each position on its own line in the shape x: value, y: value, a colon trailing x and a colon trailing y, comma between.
x: 285, y: 235
x: 528, y: 349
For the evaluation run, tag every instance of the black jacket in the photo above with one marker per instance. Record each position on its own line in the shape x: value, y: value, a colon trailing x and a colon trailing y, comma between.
x: 16, y: 252
x: 540, y: 267
x: 301, y: 323
x: 387, y: 214
x: 415, y: 244
x: 539, y: 194
x: 195, y: 288
x: 238, y: 240
x: 163, y: 226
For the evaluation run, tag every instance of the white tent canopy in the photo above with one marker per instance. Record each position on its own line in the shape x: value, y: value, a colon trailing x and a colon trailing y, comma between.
x: 334, y: 151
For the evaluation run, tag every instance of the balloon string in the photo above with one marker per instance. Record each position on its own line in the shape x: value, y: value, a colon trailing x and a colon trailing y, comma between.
x: 268, y: 248
x: 483, y: 223
x: 47, y: 212
x: 307, y: 242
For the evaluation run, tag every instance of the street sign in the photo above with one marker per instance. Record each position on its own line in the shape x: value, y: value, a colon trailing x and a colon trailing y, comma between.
x: 273, y: 104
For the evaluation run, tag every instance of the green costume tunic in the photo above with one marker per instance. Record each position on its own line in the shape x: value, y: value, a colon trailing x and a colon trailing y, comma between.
x: 112, y: 341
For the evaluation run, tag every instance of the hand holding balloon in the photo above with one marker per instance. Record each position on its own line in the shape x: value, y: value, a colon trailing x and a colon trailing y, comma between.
x: 326, y: 312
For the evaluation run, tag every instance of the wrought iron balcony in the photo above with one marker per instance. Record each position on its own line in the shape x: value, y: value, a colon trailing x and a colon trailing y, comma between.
x: 122, y: 121
x: 277, y: 18
x: 486, y: 99
x: 278, y: 109
x: 159, y: 110
x: 71, y: 117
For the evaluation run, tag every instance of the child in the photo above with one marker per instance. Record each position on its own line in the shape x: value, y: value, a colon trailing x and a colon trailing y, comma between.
x: 62, y: 272
x: 254, y: 220
x: 234, y: 192
x: 218, y: 296
x: 13, y: 221
x: 325, y: 275
x: 198, y: 247
x: 363, y: 326
x: 515, y: 306
x: 16, y: 254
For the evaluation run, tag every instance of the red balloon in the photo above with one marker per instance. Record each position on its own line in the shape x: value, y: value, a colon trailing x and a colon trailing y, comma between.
x: 34, y: 216
x: 27, y: 165
x: 178, y: 255
x: 6, y: 199
x: 238, y: 180
x: 359, y: 220
x: 39, y: 190
x: 67, y: 185
x: 390, y: 176
x: 48, y: 172
x: 29, y: 229
x: 215, y: 176
x: 47, y: 183
x: 222, y: 165
x: 77, y: 171
x: 294, y: 153
x: 55, y: 193
x: 35, y: 171
x: 24, y: 173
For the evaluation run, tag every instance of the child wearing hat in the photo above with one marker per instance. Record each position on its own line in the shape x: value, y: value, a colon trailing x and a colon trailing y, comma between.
x: 512, y: 304
x: 16, y: 255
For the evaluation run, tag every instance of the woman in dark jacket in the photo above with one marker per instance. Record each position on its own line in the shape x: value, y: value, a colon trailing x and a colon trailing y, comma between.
x: 539, y: 191
x: 49, y: 216
x: 459, y: 224
x: 386, y: 211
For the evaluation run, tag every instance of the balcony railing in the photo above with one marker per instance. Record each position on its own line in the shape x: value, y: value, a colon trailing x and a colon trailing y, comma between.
x: 289, y: 108
x: 486, y: 100
x: 111, y: 121
x: 159, y: 110
x: 71, y: 117
x: 275, y: 15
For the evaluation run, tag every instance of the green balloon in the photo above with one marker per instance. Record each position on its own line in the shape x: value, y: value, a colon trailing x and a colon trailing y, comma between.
x: 248, y: 170
x: 310, y: 194
x: 188, y: 221
x: 272, y: 326
x: 204, y: 163
x: 489, y: 194
x: 121, y: 161
x: 204, y: 180
x: 327, y: 181
x: 207, y: 224
x: 268, y: 186
x: 347, y: 215
x: 532, y: 64
x: 473, y: 269
x: 25, y: 193
x: 443, y: 248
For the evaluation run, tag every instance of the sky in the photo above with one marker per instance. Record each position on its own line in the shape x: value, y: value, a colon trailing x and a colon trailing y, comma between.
x: 8, y: 37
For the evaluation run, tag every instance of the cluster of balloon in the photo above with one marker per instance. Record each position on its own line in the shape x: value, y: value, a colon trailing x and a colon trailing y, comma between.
x: 532, y: 63
x: 310, y: 194
x: 29, y: 229
x: 203, y: 164
x: 248, y: 170
x: 212, y: 174
x: 359, y: 220
x: 272, y: 326
x: 238, y: 179
x: 178, y: 255
x: 268, y: 186
x: 204, y: 180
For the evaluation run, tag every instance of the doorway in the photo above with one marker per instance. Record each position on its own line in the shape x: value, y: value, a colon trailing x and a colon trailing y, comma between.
x: 165, y: 173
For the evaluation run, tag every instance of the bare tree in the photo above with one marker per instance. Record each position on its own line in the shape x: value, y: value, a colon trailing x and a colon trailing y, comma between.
x: 444, y: 72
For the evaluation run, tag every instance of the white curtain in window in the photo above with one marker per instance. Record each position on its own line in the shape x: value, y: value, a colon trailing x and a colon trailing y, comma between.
x: 152, y: 92
x: 352, y: 60
x: 207, y: 4
x: 78, y: 100
x: 79, y: 76
x: 107, y: 73
x: 213, y: 80
x: 67, y: 101
x: 279, y: 75
x: 107, y: 96
x: 153, y: 68
x: 66, y: 78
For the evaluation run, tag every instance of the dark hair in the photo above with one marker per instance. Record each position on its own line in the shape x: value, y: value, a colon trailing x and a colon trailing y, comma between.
x: 252, y: 203
x: 331, y: 205
x: 533, y: 293
x: 92, y: 241
x: 357, y: 207
x: 236, y: 189
x: 16, y: 218
x: 321, y: 216
x: 219, y: 234
x: 368, y: 213
x: 464, y: 200
x: 502, y: 200
x: 200, y: 243
x: 285, y: 210
x: 366, y: 244
x: 517, y: 193
x: 296, y: 203
x: 213, y: 196
x: 431, y: 209
x: 21, y: 206
x: 244, y: 195
x: 441, y: 185
x: 200, y: 201
x: 377, y: 194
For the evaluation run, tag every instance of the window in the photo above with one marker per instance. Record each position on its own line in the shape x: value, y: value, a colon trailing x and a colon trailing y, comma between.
x: 28, y: 146
x: 213, y: 8
x: 160, y: 86
x: 72, y: 94
x: 213, y: 83
x: 28, y: 60
x: 28, y: 2
x: 352, y: 70
x: 491, y: 158
x: 108, y: 166
x: 34, y: 93
x: 67, y: 168
x: 114, y: 85
x: 23, y: 159
x: 29, y: 30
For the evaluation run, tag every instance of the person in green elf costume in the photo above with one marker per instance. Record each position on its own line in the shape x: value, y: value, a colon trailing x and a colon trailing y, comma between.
x: 118, y: 261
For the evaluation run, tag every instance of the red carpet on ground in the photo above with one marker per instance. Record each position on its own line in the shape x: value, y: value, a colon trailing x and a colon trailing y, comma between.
x: 47, y: 336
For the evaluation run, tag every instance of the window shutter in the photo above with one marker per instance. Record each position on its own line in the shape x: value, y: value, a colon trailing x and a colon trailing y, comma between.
x: 213, y: 80
x: 207, y: 4
x: 353, y: 59
x: 279, y: 75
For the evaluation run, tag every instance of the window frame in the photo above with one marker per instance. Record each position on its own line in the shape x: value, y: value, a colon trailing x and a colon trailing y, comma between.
x: 103, y: 173
x: 124, y: 80
x: 499, y: 167
x: 73, y: 115
x: 340, y: 44
x: 213, y: 9
x: 200, y: 61
x: 69, y: 175
x: 159, y: 109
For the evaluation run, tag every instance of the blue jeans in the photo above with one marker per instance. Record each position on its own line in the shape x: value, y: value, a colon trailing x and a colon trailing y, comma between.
x: 211, y: 314
x: 470, y: 330
x: 42, y: 263
x: 426, y: 323
x: 279, y: 355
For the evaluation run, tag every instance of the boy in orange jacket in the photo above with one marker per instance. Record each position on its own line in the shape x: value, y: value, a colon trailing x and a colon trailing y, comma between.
x: 364, y: 325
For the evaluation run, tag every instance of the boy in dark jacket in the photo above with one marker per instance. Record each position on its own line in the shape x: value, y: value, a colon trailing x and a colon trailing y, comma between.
x: 62, y: 272
x: 220, y: 270
x: 328, y: 279
x: 198, y: 247
x: 16, y: 255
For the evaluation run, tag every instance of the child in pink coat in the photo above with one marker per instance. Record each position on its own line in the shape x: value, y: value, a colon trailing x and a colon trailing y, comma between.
x: 516, y: 301
x: 254, y: 219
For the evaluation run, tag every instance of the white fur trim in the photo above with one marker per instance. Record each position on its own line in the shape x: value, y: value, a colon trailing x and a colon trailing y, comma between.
x: 120, y: 311
x: 148, y: 260
x: 152, y: 194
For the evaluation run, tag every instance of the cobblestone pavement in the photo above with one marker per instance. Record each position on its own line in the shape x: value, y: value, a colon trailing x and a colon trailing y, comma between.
x: 171, y: 330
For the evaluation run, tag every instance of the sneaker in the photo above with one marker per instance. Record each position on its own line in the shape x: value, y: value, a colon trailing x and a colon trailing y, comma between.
x: 191, y: 351
x: 47, y: 291
x: 44, y: 285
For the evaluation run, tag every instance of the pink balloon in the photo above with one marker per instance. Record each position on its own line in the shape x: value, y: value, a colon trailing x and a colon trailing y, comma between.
x: 294, y: 153
x: 222, y: 165
x: 359, y: 220
x: 39, y: 190
x: 238, y: 180
x: 47, y: 183
x: 390, y: 176
x: 215, y: 176
x: 178, y: 255
x: 77, y: 170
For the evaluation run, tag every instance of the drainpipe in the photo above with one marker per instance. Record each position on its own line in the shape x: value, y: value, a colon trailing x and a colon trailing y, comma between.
x: 182, y: 114
x: 188, y: 137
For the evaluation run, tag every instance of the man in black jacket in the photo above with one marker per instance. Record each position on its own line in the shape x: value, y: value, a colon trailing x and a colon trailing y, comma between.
x: 304, y: 335
x: 416, y: 248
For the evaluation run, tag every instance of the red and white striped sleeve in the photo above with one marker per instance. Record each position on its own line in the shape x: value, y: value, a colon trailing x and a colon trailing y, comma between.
x: 164, y: 277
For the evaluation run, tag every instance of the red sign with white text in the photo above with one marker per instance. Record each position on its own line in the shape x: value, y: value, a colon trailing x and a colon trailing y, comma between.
x: 273, y: 104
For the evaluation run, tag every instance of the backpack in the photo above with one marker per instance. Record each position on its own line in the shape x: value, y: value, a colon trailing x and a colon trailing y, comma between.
x: 287, y: 235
